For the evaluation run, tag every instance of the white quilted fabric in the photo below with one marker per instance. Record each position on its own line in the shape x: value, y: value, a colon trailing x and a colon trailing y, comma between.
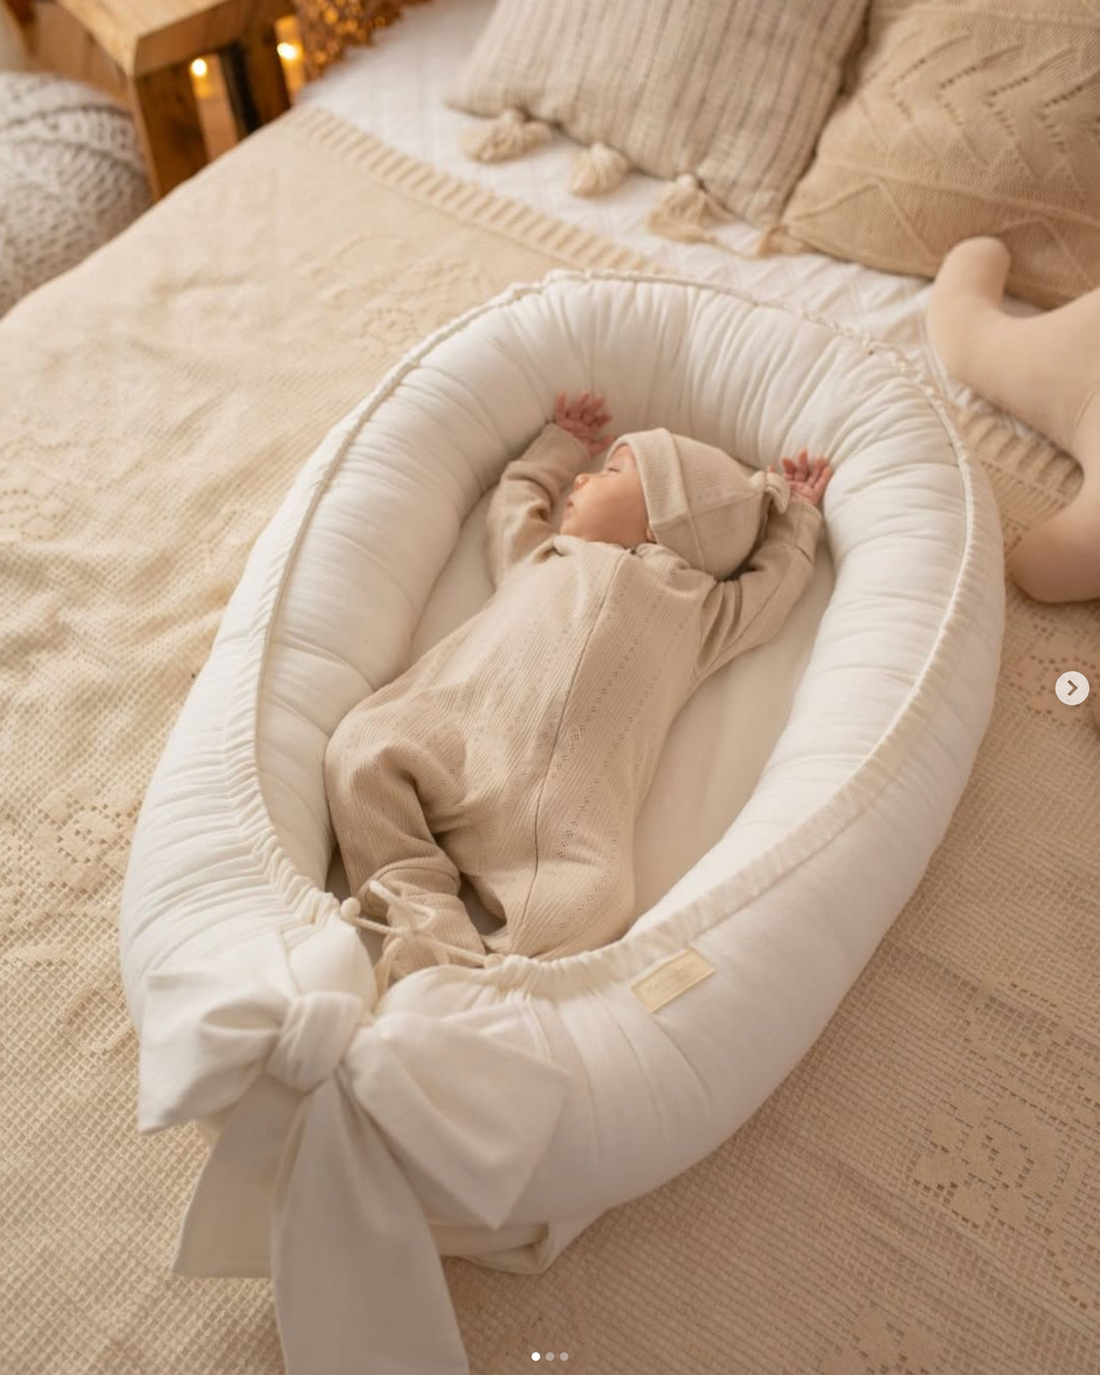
x: 71, y: 177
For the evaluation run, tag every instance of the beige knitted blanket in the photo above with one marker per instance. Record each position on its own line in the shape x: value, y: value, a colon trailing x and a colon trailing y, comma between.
x: 922, y: 1194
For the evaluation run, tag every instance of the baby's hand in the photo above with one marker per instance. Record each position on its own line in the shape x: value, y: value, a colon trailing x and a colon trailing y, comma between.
x: 807, y: 482
x: 583, y: 418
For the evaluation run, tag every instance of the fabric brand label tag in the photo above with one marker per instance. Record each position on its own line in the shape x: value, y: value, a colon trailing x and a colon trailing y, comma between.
x: 673, y: 978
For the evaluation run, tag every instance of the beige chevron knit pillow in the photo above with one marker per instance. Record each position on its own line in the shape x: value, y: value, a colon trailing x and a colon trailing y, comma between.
x: 731, y: 91
x: 967, y: 117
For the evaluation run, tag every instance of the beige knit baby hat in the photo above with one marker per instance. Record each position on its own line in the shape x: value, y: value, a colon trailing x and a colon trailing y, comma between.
x: 702, y: 504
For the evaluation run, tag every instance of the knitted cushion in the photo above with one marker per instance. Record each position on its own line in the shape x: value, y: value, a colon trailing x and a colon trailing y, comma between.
x: 732, y: 91
x: 71, y: 177
x: 966, y: 119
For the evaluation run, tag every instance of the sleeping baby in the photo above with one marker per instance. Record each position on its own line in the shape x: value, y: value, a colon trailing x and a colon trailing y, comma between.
x: 519, y: 749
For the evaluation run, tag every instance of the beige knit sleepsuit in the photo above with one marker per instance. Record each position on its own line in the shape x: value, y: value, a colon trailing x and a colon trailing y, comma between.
x: 519, y: 749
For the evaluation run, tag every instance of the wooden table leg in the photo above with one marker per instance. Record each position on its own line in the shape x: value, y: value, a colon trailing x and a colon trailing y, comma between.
x: 266, y: 77
x: 167, y: 119
x: 254, y: 79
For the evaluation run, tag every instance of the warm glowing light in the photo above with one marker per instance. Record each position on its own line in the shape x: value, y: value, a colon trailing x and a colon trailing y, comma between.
x: 198, y: 67
x: 287, y: 51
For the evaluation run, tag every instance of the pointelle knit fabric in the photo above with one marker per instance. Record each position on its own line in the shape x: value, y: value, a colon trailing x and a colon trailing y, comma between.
x: 518, y: 750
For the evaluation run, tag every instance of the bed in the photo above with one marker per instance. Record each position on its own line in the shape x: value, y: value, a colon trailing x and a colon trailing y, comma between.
x: 919, y: 1190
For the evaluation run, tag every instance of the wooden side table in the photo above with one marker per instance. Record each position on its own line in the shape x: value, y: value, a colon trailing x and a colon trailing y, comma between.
x: 153, y: 42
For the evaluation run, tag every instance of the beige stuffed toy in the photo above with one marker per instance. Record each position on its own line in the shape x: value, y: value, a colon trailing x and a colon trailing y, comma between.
x: 1046, y: 370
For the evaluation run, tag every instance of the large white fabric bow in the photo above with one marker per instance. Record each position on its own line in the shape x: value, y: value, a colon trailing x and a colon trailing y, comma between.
x: 342, y: 1129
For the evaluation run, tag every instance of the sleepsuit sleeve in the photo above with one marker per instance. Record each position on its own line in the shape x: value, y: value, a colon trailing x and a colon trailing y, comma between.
x: 748, y: 609
x: 518, y: 519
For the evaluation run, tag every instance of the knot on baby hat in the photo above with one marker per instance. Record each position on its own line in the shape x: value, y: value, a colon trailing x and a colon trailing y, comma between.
x: 702, y: 504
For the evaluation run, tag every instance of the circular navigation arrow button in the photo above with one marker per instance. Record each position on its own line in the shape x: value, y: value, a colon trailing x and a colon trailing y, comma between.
x: 1072, y: 688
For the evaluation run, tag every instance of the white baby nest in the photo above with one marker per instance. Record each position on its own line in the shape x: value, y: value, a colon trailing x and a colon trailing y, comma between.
x: 493, y: 1113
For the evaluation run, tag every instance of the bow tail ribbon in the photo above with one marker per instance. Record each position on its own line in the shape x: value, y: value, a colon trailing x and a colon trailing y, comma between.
x: 326, y: 1191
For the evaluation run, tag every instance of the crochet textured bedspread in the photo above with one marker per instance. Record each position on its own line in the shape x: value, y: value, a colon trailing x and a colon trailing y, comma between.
x: 921, y: 1194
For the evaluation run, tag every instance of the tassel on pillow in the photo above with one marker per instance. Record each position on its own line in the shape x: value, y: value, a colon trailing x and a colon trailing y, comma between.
x: 683, y: 210
x: 509, y: 135
x: 775, y: 239
x: 597, y: 169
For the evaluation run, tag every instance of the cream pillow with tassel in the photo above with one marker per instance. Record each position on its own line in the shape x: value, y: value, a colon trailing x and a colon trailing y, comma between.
x: 724, y: 98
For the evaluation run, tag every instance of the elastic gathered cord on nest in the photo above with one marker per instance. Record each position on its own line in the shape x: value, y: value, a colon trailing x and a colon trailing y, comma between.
x: 351, y: 912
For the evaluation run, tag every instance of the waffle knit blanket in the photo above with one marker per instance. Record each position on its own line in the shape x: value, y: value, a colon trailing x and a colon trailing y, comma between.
x: 921, y: 1194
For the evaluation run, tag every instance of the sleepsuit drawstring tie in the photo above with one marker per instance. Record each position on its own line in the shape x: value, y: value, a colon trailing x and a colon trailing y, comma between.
x: 416, y: 930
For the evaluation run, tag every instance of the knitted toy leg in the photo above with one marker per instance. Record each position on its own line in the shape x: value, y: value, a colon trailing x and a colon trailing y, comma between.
x: 1046, y: 370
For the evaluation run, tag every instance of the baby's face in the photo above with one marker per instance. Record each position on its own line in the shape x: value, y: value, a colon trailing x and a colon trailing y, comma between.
x: 609, y: 505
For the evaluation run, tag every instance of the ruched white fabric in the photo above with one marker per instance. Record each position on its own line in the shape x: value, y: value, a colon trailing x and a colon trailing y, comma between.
x: 494, y: 1112
x: 306, y: 1180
